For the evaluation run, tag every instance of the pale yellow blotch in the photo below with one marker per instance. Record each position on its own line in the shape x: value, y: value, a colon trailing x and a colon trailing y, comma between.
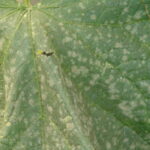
x: 38, y: 5
x: 69, y: 83
x: 108, y: 145
x: 81, y: 5
x: 70, y: 126
x: 93, y: 17
x: 8, y: 124
x: 52, y: 124
x: 39, y: 52
x: 118, y: 45
x: 19, y: 1
x: 50, y: 109
x: 67, y: 119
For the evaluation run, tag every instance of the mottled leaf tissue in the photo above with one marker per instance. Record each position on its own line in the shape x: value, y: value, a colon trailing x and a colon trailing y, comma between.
x: 92, y: 92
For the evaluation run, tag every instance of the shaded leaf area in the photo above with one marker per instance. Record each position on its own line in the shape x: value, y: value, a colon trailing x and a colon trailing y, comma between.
x: 93, y: 93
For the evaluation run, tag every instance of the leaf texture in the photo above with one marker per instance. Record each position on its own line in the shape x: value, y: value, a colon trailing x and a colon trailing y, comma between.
x: 92, y: 93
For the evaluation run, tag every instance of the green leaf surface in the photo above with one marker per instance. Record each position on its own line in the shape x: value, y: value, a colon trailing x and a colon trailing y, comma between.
x: 93, y: 93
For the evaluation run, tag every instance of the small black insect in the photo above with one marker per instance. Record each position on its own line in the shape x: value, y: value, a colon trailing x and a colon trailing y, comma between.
x: 47, y: 54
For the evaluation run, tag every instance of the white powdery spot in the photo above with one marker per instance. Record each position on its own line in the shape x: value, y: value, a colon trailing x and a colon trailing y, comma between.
x: 69, y: 126
x: 142, y: 38
x: 88, y: 36
x: 91, y: 61
x: 69, y: 83
x: 125, y: 3
x: 83, y: 14
x: 61, y: 24
x: 118, y: 45
x: 75, y: 70
x: 81, y: 5
x: 108, y: 66
x: 69, y: 53
x: 12, y: 70
x: 134, y: 30
x: 13, y: 61
x: 97, y: 63
x: 98, y: 3
x: 8, y: 124
x: 125, y: 140
x: 84, y: 70
x: 42, y: 79
x: 108, y: 145
x: 113, y: 89
x: 44, y: 96
x: 80, y: 70
x: 124, y: 58
x: 31, y: 102
x: 96, y: 38
x: 128, y: 27
x: 94, y: 79
x: 125, y: 10
x: 93, y: 17
x: 50, y: 109
x: 84, y: 59
x: 146, y: 86
x: 95, y: 76
x: 125, y: 51
x: 19, y: 1
x: 124, y: 106
x: 72, y: 54
x: 87, y: 88
x: 109, y: 35
x: 132, y: 147
x: 138, y: 15
x: 67, y: 39
x: 69, y: 11
x: 67, y: 119
x: 1, y: 136
x: 25, y: 16
x: 39, y: 68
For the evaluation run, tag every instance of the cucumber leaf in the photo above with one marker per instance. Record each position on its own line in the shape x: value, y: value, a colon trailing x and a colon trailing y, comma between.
x: 92, y: 93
